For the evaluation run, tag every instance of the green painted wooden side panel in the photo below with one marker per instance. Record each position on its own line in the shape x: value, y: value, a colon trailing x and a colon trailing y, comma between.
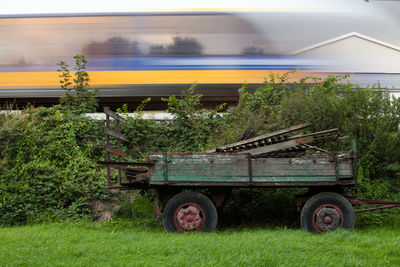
x: 194, y: 167
x: 203, y: 168
x: 295, y: 179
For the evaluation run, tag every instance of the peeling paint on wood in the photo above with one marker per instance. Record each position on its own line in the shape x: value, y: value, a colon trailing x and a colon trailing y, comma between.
x: 201, y: 169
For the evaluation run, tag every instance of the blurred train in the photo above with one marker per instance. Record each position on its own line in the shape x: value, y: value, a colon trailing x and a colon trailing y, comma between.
x: 132, y: 56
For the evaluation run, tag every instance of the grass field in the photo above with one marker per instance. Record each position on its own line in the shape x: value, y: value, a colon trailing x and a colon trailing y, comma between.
x: 133, y: 243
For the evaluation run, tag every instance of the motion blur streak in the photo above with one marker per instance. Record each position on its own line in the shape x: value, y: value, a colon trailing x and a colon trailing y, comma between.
x: 141, y: 54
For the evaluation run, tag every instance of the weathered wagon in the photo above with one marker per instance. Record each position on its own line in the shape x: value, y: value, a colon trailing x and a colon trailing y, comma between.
x: 276, y: 159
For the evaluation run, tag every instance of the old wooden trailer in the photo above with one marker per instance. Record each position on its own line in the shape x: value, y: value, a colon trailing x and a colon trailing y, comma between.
x: 279, y: 159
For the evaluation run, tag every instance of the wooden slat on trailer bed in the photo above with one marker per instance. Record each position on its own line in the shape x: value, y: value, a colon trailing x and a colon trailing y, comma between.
x: 230, y: 169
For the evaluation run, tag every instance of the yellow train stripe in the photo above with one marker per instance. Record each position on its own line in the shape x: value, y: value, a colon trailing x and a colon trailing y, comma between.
x: 51, y: 79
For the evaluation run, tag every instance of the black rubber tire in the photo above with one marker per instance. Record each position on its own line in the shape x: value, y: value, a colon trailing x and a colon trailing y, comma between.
x: 326, y: 198
x: 186, y: 197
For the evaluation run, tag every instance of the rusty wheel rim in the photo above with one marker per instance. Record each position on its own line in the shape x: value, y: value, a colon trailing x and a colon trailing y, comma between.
x: 327, y: 217
x: 189, y: 217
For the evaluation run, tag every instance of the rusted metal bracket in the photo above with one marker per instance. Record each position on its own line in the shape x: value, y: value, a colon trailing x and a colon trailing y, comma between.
x: 380, y: 204
x: 116, y: 151
x: 355, y: 201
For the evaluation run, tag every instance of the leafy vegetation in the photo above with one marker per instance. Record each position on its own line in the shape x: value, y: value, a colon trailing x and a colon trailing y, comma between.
x: 48, y: 167
x: 81, y: 98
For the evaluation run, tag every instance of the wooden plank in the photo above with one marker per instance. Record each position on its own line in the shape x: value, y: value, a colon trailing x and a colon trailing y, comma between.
x: 116, y: 151
x: 222, y: 173
x: 294, y: 179
x: 264, y: 136
x: 277, y: 168
x: 197, y: 155
x: 156, y: 175
x: 272, y: 180
x: 115, y: 163
x: 294, y: 173
x: 293, y: 161
x: 348, y: 166
x: 279, y: 146
x: 317, y: 135
x: 113, y: 133
x: 206, y: 162
x: 201, y: 159
x: 205, y: 179
x: 200, y: 167
x: 258, y: 184
x: 207, y: 172
x: 113, y: 115
x: 207, y: 155
x: 346, y: 173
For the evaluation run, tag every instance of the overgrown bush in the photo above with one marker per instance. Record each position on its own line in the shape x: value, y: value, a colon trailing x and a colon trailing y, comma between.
x: 48, y: 164
x: 193, y: 128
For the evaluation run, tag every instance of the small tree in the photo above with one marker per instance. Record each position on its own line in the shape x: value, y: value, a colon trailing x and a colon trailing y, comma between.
x: 193, y: 126
x: 80, y: 98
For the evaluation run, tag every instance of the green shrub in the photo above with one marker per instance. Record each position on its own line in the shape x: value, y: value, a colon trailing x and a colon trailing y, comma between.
x: 193, y: 128
x: 49, y: 164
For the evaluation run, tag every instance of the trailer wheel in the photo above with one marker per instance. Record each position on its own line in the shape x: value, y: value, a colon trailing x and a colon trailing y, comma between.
x: 190, y: 211
x: 326, y: 212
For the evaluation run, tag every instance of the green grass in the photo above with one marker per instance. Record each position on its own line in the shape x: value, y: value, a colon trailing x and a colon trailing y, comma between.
x: 124, y: 242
